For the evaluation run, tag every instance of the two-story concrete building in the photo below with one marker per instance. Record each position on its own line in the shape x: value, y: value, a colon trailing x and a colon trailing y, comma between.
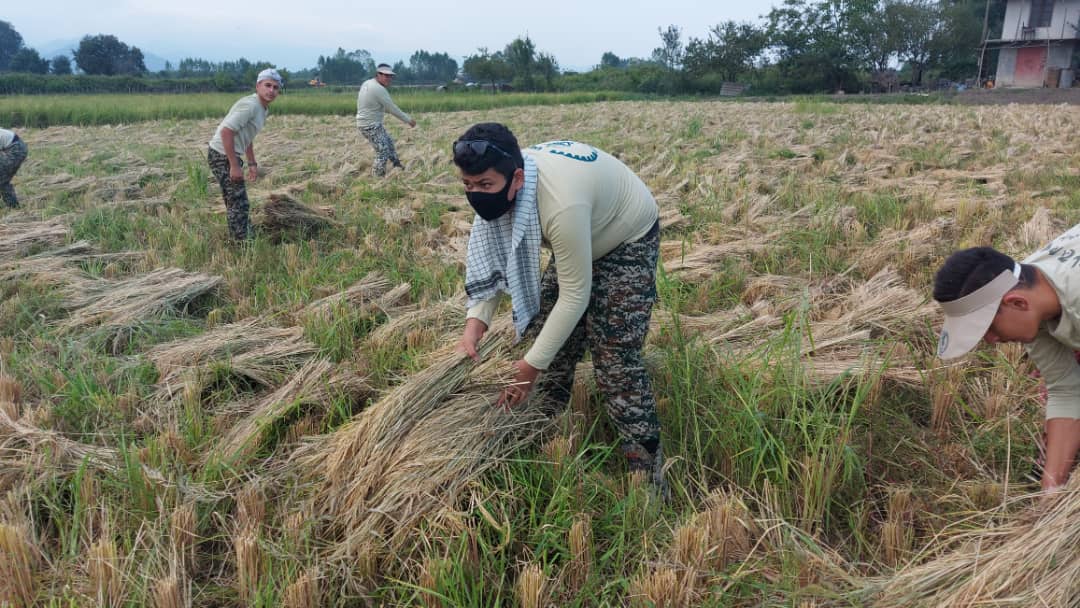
x: 1036, y: 43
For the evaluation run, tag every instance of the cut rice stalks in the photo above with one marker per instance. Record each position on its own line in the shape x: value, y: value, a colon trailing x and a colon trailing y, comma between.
x: 1029, y: 560
x: 314, y: 385
x: 116, y: 309
x: 410, y: 456
x: 20, y: 239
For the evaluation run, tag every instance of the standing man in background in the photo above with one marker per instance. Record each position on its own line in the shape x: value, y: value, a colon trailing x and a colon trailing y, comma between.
x: 371, y: 102
x: 12, y: 155
x: 235, y: 136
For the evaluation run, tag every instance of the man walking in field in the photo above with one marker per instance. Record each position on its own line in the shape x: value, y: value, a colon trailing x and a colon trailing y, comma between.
x: 601, y: 223
x: 986, y: 295
x: 372, y: 101
x: 235, y: 136
x: 12, y: 155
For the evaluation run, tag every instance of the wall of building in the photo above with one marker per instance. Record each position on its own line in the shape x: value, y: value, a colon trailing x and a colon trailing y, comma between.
x: 1062, y: 24
x: 1027, y: 66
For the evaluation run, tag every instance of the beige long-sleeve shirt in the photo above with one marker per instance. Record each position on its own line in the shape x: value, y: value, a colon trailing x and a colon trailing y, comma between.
x: 245, y: 119
x: 1052, y: 349
x: 589, y: 203
x: 372, y: 100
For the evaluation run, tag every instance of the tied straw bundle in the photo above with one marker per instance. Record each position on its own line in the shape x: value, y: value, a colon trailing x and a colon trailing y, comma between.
x: 408, y: 458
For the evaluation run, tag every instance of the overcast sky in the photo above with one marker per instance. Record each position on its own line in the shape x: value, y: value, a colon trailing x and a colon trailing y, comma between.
x: 293, y: 33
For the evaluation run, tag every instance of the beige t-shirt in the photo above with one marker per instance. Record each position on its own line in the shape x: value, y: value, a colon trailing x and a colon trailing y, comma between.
x: 6, y: 137
x: 1052, y: 349
x: 372, y: 100
x: 589, y: 203
x: 245, y: 119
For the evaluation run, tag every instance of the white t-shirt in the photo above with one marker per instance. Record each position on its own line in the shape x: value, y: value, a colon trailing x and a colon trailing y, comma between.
x: 245, y: 119
x: 1052, y: 349
x: 589, y: 203
x: 372, y: 100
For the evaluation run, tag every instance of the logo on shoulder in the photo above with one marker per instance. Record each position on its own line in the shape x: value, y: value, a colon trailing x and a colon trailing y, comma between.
x: 570, y: 149
x: 943, y: 343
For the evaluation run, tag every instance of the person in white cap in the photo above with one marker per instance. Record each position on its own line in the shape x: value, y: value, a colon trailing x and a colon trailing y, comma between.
x: 235, y: 136
x: 371, y: 102
x: 986, y: 295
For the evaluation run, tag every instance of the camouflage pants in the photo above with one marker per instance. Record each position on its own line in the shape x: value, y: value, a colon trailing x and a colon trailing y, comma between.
x: 235, y: 194
x: 384, y: 148
x: 11, y: 158
x: 613, y: 327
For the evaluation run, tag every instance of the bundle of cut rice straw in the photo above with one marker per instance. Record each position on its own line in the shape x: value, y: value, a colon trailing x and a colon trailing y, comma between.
x: 1033, y: 559
x: 410, y: 456
x: 314, y: 385
x: 370, y: 294
x: 117, y: 307
x: 284, y: 213
x: 19, y: 239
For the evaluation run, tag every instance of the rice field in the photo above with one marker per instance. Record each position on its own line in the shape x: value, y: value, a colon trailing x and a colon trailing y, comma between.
x: 185, y: 422
x: 99, y: 109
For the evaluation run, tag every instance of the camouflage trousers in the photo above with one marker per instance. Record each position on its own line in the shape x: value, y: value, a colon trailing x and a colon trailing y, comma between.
x: 235, y: 194
x: 613, y: 328
x: 11, y: 158
x: 384, y: 148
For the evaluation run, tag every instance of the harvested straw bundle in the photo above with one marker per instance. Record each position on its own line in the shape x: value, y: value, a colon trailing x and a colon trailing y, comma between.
x: 370, y: 294
x: 883, y: 304
x: 439, y: 318
x: 910, y: 249
x: 1030, y: 560
x: 284, y: 213
x: 313, y: 385
x: 117, y: 308
x: 19, y: 239
x: 700, y: 261
x: 410, y: 456
x: 1039, y: 230
x: 17, y: 438
x: 698, y: 324
x: 249, y: 335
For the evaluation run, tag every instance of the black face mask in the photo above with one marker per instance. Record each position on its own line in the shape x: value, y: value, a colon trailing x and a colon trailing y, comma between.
x: 491, y: 205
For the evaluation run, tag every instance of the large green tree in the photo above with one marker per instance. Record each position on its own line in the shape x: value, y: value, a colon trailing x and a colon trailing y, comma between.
x: 730, y: 51
x: 488, y: 67
x: 613, y: 61
x: 954, y: 47
x: 822, y: 45
x: 432, y: 67
x: 60, y: 65
x: 521, y: 57
x: 670, y: 52
x: 346, y: 67
x: 104, y: 54
x: 28, y: 60
x: 10, y: 43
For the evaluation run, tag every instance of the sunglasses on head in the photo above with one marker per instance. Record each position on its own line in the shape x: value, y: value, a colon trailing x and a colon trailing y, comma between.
x: 478, y: 147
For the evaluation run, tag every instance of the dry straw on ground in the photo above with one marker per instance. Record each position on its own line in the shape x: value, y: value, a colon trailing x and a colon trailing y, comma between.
x: 369, y: 297
x: 19, y: 239
x: 248, y: 350
x: 283, y: 213
x: 115, y: 309
x: 409, y: 457
x: 1030, y: 559
x: 313, y: 386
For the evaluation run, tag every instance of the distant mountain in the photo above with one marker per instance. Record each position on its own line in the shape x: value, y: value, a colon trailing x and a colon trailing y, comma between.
x: 48, y: 50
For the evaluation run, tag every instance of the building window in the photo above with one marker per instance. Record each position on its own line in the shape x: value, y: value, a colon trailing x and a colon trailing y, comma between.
x: 1041, y: 13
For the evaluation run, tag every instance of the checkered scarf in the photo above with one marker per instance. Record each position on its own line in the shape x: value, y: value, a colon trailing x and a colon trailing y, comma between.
x: 504, y: 255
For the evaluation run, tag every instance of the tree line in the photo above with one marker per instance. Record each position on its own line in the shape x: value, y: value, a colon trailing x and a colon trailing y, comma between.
x: 800, y: 46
